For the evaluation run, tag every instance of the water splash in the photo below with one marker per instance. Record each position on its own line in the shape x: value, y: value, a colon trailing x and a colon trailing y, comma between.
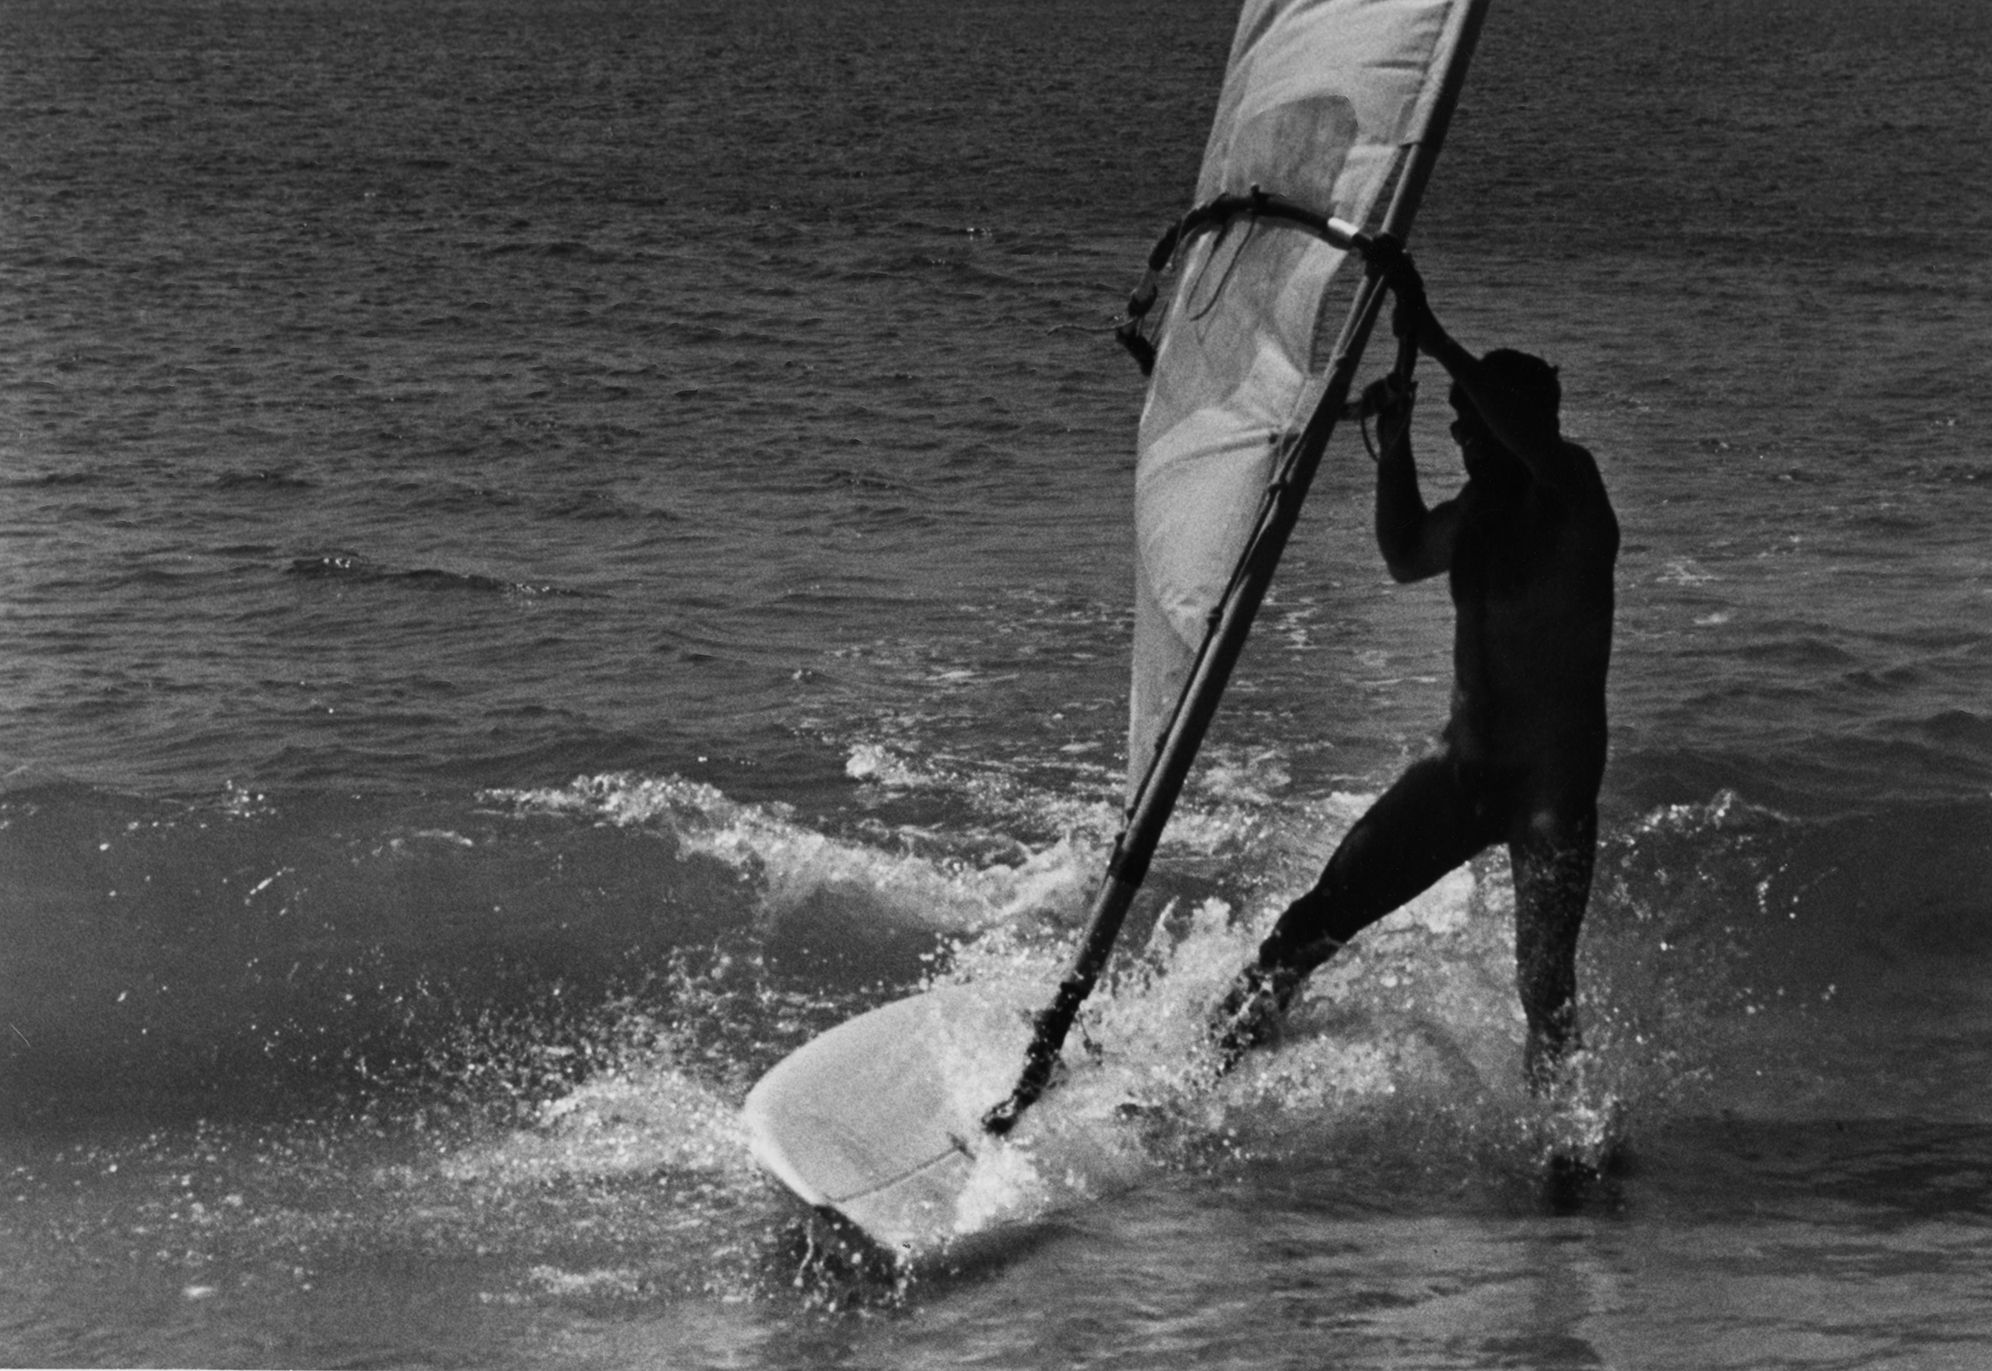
x: 1411, y: 1038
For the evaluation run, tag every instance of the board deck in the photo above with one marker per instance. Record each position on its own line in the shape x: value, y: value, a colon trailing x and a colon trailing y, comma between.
x: 880, y: 1119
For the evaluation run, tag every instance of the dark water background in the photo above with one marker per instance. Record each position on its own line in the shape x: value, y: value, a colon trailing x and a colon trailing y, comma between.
x: 549, y: 552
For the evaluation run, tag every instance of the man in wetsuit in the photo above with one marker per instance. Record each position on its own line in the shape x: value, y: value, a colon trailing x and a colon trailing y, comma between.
x: 1528, y: 545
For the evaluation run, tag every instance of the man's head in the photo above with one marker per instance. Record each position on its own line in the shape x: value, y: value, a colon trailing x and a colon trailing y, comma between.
x: 1529, y: 383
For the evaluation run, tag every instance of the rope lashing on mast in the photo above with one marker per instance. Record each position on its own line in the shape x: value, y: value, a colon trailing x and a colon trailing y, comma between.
x: 1255, y: 205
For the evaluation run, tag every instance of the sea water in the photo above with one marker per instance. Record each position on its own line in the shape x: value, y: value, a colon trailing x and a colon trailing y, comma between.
x: 552, y: 551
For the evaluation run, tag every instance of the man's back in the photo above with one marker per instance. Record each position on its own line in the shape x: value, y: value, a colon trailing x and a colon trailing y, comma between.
x: 1531, y: 580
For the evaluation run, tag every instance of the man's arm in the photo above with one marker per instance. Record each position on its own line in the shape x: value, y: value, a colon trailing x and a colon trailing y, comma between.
x: 1522, y: 426
x: 1416, y: 542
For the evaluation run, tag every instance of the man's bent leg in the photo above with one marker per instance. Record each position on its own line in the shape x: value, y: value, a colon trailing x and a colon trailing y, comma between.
x: 1421, y: 828
x: 1553, y: 854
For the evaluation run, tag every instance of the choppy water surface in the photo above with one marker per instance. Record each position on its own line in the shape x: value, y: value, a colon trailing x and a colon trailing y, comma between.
x: 550, y: 553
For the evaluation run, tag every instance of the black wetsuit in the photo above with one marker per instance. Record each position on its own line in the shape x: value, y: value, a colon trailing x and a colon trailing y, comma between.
x: 1530, y: 565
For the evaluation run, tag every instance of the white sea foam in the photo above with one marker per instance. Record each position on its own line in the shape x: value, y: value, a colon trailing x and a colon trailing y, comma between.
x: 789, y: 862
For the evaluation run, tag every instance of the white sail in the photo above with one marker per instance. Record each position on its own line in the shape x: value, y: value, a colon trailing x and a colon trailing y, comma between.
x: 1320, y: 99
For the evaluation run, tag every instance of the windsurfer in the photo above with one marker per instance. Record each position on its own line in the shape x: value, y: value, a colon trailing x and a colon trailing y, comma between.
x: 1528, y: 544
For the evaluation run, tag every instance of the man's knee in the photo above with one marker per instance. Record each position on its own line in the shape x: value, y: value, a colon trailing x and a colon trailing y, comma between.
x: 1553, y: 852
x: 1562, y: 833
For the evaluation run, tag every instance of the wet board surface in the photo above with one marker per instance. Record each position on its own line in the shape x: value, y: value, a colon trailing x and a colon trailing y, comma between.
x: 880, y: 1119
